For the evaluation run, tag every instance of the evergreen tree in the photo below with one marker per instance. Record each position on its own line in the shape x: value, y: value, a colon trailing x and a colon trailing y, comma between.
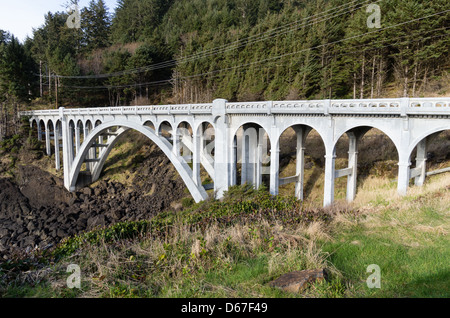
x: 96, y: 24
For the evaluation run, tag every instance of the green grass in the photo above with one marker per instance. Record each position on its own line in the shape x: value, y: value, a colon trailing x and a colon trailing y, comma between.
x: 235, y: 247
x: 410, y: 244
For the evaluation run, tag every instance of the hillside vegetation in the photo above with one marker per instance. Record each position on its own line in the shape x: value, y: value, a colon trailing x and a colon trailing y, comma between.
x: 236, y: 246
x: 176, y: 51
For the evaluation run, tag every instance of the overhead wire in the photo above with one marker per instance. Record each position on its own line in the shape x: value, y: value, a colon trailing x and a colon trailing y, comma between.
x: 318, y: 18
x: 274, y: 57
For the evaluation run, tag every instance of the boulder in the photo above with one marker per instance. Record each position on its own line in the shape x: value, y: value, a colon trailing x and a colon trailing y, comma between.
x: 298, y: 281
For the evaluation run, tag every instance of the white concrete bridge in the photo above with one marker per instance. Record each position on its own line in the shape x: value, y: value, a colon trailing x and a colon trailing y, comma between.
x: 220, y: 136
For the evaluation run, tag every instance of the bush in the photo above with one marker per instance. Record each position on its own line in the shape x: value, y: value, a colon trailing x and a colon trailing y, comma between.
x: 187, y: 202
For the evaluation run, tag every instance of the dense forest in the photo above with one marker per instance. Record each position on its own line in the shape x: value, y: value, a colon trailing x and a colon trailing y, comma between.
x: 179, y: 51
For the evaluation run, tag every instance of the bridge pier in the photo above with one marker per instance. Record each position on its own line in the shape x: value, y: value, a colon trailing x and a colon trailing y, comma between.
x: 421, y: 162
x: 328, y: 195
x: 251, y: 171
x: 196, y: 155
x: 65, y: 143
x: 47, y: 141
x: 57, y: 158
x: 274, y: 167
x: 77, y: 139
x: 352, y: 165
x: 301, y: 134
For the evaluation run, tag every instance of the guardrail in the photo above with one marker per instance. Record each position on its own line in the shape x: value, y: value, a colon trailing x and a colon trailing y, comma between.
x: 395, y: 106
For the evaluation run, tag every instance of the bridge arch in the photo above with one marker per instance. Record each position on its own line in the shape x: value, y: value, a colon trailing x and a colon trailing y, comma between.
x: 424, y: 135
x: 197, y: 191
x: 425, y: 149
x: 386, y: 130
x: 165, y: 129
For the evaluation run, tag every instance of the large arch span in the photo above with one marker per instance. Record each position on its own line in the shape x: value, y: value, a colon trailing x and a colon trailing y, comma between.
x: 197, y: 191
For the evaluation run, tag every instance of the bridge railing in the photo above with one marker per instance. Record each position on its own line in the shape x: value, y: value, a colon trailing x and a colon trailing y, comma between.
x: 395, y: 106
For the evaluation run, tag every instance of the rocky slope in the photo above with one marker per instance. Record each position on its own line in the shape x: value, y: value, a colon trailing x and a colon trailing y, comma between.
x: 37, y: 212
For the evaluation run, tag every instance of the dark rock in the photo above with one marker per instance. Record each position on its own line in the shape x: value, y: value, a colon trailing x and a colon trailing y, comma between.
x: 297, y: 281
x: 61, y: 233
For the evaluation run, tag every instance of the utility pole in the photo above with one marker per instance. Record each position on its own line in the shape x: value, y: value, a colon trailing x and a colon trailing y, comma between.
x: 56, y: 92
x: 49, y: 83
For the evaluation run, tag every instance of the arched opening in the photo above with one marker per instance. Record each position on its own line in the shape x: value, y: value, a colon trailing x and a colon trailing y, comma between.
x: 51, y: 134
x: 302, y: 162
x: 184, y: 171
x: 58, y: 144
x: 100, y: 140
x: 165, y: 130
x: 200, y: 149
x: 363, y: 155
x: 251, y: 152
x: 41, y: 130
x: 79, y: 135
x: 431, y: 156
x: 34, y: 129
x: 72, y: 141
x: 184, y: 144
x: 150, y: 125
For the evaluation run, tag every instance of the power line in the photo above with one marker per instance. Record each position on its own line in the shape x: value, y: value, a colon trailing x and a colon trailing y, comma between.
x: 290, y: 27
x: 278, y: 56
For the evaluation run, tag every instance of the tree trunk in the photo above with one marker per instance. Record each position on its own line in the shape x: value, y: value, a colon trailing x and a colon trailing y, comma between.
x: 373, y: 78
x: 380, y: 76
x: 362, y: 76
x: 414, y: 81
x: 405, y: 83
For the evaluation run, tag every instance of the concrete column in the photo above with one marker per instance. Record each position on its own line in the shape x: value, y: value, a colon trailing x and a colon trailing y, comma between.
x: 258, y: 159
x: 245, y: 156
x: 196, y: 155
x: 250, y: 157
x: 421, y: 161
x: 223, y: 144
x: 66, y: 148
x: 71, y: 145
x: 77, y: 139
x: 233, y: 162
x: 300, y: 164
x: 403, y: 176
x: 57, y: 158
x: 330, y: 159
x: 274, y: 166
x: 352, y: 163
x: 47, y: 141
x: 176, y: 137
x: 89, y: 154
x: 39, y: 131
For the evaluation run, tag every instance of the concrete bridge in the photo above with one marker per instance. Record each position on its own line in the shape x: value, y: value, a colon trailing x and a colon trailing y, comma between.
x: 220, y: 136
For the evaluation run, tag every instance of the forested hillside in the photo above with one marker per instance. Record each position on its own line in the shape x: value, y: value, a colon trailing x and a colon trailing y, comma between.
x: 178, y: 51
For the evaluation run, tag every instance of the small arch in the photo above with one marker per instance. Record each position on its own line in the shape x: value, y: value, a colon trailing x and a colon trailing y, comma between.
x: 41, y: 129
x: 51, y: 133
x: 165, y: 130
x: 150, y: 124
